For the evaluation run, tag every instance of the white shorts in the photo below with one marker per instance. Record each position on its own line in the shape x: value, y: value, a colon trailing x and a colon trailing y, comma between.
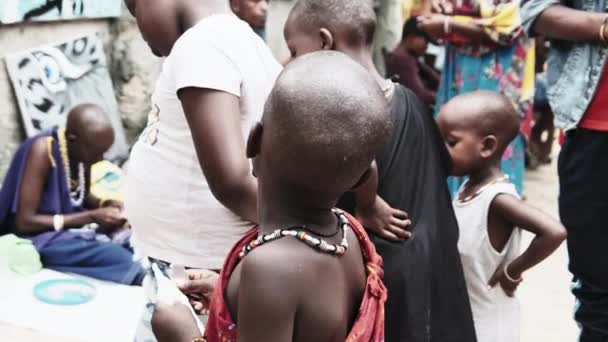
x: 160, y: 287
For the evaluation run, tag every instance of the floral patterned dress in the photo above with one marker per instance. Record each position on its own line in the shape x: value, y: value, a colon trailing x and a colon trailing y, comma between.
x: 507, y: 66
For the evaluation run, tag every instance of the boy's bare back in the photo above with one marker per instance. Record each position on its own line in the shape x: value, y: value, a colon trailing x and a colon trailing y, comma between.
x: 317, y: 140
x: 290, y: 282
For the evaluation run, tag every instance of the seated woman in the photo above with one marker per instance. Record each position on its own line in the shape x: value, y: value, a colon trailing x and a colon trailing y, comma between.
x: 46, y: 192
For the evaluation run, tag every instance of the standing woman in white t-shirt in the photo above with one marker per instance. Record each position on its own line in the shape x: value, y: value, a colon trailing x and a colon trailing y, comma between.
x: 190, y: 192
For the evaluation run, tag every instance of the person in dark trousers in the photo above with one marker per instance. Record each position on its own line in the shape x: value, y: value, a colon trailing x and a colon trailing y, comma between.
x: 578, y: 94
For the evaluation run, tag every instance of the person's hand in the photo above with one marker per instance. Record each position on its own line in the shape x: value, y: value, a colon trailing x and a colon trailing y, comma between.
x: 384, y: 221
x: 442, y: 6
x: 500, y: 277
x: 112, y: 204
x: 199, y: 288
x: 109, y: 217
x: 175, y: 322
x: 433, y: 25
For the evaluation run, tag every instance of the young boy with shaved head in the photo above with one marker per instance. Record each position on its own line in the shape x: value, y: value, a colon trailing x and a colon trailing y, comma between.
x: 427, y: 293
x: 308, y: 272
x: 477, y: 128
x: 190, y: 192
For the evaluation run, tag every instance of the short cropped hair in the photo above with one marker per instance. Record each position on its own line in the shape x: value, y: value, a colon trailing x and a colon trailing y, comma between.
x: 326, y: 119
x: 356, y: 18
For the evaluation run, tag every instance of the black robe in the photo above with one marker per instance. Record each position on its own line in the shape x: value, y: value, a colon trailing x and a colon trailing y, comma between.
x: 427, y: 295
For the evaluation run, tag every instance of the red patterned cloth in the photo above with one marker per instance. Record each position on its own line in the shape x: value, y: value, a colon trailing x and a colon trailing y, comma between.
x: 369, y: 326
x: 596, y: 117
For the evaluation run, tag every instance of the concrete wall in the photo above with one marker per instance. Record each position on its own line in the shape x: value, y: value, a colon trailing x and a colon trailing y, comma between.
x: 21, y: 37
x: 278, y: 11
x: 134, y: 71
x: 132, y: 66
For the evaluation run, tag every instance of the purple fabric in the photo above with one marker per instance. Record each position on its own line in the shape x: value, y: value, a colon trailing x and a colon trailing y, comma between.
x: 44, y: 239
x: 55, y: 198
x: 92, y: 258
x: 80, y: 251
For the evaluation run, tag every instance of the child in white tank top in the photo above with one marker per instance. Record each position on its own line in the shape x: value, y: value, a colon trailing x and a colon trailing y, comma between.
x: 477, y: 128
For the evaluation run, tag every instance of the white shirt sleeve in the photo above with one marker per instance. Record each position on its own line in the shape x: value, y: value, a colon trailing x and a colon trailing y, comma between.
x: 197, y: 62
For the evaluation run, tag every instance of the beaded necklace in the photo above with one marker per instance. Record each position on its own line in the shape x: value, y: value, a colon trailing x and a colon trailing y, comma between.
x: 77, y: 195
x: 302, y: 235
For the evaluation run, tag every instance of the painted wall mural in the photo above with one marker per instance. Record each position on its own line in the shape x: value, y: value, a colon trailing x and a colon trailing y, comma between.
x: 49, y: 81
x: 14, y: 11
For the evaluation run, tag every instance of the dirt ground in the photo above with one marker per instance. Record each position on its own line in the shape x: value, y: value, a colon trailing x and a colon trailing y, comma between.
x: 546, y: 302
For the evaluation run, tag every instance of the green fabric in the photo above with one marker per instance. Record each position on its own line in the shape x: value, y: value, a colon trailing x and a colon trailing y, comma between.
x: 20, y: 254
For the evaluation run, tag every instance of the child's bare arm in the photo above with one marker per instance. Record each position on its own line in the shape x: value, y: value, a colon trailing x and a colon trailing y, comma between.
x: 174, y: 323
x: 549, y: 232
x: 214, y: 120
x: 268, y: 297
x: 375, y: 214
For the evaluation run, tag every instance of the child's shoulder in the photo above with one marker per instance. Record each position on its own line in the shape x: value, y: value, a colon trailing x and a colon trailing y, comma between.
x: 270, y: 281
x: 503, y: 198
x: 486, y: 198
x: 503, y: 188
x: 274, y: 267
x: 278, y: 258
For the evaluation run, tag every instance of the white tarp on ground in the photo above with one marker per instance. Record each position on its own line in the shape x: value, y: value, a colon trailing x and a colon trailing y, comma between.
x: 112, y: 315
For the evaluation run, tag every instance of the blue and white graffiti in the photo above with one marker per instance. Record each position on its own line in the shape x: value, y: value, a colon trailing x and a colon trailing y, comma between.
x: 50, y: 80
x: 14, y: 11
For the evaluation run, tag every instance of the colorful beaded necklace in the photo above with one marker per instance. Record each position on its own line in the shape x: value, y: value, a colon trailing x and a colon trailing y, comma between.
x: 76, y: 196
x: 302, y: 235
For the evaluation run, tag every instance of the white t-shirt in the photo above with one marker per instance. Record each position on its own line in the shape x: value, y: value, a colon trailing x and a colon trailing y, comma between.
x: 174, y: 215
x: 496, y: 315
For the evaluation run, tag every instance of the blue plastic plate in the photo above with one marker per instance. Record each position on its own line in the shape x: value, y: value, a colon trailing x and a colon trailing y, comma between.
x: 64, y: 291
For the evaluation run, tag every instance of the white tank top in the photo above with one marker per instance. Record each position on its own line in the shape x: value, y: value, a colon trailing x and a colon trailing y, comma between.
x: 496, y: 316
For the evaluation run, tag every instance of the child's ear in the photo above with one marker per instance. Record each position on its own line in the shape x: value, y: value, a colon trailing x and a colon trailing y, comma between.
x: 70, y: 136
x: 327, y: 39
x: 489, y: 145
x: 254, y: 142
